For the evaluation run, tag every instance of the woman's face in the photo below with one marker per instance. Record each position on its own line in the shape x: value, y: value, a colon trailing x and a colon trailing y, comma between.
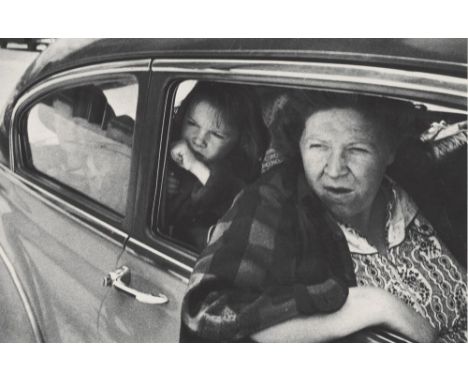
x: 206, y: 133
x: 345, y: 158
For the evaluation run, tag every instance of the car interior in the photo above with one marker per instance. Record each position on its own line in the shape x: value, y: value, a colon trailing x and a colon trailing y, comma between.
x: 433, y: 171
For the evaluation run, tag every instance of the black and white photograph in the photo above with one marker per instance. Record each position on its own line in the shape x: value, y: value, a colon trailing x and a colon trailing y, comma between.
x: 233, y: 190
x: 225, y: 190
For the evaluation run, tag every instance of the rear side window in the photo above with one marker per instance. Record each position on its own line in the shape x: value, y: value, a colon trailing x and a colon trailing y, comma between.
x: 81, y: 137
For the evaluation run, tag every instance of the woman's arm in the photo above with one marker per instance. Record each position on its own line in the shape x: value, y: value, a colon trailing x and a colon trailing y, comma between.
x: 232, y: 293
x: 364, y: 307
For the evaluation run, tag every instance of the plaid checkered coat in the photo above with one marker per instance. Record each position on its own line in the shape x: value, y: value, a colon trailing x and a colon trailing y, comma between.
x: 276, y: 254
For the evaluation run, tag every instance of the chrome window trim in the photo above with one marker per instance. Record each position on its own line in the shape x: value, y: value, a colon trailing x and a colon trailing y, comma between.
x: 161, y: 255
x: 316, y: 55
x: 322, y: 54
x: 363, y: 75
x: 23, y: 296
x: 87, y: 72
x: 76, y: 214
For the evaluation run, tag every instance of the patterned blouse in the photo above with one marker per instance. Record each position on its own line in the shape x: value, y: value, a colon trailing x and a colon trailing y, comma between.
x: 418, y: 268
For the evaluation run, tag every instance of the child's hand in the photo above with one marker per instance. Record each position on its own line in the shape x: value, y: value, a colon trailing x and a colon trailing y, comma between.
x: 173, y: 184
x: 183, y: 156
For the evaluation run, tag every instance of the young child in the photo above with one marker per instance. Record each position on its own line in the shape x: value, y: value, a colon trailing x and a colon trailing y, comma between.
x: 221, y: 142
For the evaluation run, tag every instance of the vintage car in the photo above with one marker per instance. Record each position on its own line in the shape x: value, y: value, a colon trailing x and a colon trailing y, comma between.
x: 86, y: 254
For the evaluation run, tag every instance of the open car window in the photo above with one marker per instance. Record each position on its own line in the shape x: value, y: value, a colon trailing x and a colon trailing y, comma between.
x: 444, y: 175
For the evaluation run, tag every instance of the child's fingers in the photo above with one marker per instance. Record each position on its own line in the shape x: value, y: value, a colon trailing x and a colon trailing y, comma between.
x: 173, y: 184
x: 177, y: 155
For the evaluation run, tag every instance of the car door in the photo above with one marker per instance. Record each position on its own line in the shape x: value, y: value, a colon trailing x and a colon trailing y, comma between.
x: 152, y: 273
x: 68, y: 193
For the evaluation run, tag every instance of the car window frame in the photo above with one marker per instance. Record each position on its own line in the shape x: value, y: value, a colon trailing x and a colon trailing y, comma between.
x: 66, y: 198
x: 168, y: 73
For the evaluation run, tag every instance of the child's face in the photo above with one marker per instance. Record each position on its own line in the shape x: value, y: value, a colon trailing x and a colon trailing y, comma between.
x: 206, y: 133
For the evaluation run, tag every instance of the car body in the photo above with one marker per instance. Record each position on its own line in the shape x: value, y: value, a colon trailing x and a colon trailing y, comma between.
x: 67, y: 253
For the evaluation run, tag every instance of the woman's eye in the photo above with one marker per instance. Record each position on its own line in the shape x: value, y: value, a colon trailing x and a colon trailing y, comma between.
x: 316, y: 146
x: 359, y: 150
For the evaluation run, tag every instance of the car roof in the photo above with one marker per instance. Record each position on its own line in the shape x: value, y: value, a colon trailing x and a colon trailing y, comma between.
x: 446, y: 56
x: 441, y: 56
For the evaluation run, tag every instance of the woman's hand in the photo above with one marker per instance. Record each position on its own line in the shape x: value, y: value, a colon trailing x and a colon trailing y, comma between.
x: 394, y: 314
x: 184, y: 157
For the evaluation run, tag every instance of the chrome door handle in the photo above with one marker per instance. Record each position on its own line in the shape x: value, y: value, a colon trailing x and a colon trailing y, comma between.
x: 119, y: 280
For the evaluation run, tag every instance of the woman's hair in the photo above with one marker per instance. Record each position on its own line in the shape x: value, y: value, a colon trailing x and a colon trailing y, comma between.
x: 239, y: 108
x: 394, y: 117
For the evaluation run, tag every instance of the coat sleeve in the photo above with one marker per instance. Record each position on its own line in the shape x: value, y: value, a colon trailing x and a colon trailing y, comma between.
x: 220, y: 189
x: 240, y: 285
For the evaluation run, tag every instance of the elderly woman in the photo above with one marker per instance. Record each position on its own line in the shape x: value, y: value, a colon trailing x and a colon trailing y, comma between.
x: 325, y: 244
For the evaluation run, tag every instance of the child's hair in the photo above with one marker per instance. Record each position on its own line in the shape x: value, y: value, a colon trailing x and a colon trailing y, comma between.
x: 239, y: 108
